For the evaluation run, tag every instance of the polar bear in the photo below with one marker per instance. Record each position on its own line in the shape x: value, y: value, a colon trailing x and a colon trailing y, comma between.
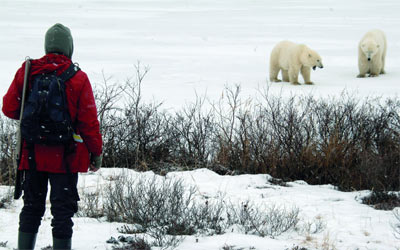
x: 291, y: 58
x: 372, y: 53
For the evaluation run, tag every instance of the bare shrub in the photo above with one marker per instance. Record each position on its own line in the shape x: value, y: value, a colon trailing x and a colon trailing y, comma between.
x: 193, y: 132
x: 382, y: 200
x: 233, y: 142
x: 7, y: 148
x: 278, y: 182
x: 162, y: 239
x: 145, y: 128
x: 135, y: 133
x: 314, y: 226
x: 131, y: 229
x: 263, y: 221
x: 6, y: 198
x: 109, y: 114
x: 90, y: 205
x: 164, y: 204
x: 159, y: 205
x: 339, y: 141
x: 344, y: 141
x: 133, y: 243
x: 209, y: 217
x: 150, y: 202
x: 166, y: 210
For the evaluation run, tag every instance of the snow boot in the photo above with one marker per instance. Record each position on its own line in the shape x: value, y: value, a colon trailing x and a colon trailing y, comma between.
x: 26, y: 240
x: 61, y: 244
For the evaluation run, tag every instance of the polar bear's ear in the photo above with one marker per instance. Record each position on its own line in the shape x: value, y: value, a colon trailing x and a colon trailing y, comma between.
x: 309, y: 55
x: 363, y: 45
x: 377, y: 46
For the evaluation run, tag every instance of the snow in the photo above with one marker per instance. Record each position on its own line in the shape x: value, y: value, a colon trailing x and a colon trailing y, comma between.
x: 349, y: 224
x: 200, y: 47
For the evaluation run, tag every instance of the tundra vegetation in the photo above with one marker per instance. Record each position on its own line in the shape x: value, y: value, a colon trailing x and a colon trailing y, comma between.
x: 350, y: 142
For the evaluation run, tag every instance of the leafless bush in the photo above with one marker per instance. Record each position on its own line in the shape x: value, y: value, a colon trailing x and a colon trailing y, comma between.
x: 344, y: 141
x: 166, y: 210
x: 162, y: 239
x: 7, y: 148
x: 131, y: 229
x: 163, y: 207
x: 315, y: 226
x: 382, y: 200
x: 193, y: 130
x: 131, y: 129
x: 162, y: 204
x: 234, y: 119
x: 145, y: 140
x: 6, y: 198
x: 152, y: 203
x: 90, y: 205
x: 263, y: 221
x: 133, y: 243
x: 109, y: 112
x: 209, y: 217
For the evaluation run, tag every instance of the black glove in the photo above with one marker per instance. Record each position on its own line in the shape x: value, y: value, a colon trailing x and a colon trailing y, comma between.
x: 95, y: 162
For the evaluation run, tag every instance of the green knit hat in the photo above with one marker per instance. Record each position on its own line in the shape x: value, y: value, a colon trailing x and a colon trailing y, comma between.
x: 59, y: 40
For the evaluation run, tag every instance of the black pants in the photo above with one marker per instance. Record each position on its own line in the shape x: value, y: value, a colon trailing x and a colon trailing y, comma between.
x: 63, y: 198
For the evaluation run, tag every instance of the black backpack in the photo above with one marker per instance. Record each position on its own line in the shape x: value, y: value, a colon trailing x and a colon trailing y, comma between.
x: 46, y: 119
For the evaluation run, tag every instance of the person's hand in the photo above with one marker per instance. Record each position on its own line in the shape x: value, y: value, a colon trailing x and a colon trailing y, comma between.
x: 95, y: 162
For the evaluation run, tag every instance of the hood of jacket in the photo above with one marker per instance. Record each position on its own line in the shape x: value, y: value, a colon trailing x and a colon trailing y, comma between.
x: 50, y: 63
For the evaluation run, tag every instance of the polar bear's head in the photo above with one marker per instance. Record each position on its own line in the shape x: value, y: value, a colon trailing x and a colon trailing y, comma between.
x: 369, y: 48
x: 311, y: 58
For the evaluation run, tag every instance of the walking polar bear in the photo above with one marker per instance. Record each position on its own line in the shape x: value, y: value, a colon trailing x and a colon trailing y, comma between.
x: 291, y: 58
x: 372, y: 53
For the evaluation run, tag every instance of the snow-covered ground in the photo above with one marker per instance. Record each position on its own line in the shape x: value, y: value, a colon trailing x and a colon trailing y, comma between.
x: 202, y: 46
x: 348, y: 223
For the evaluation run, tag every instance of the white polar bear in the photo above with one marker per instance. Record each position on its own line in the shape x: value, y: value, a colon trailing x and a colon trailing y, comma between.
x: 292, y: 58
x: 372, y: 53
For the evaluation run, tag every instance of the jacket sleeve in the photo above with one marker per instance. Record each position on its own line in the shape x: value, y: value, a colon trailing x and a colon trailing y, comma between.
x: 12, y: 100
x: 87, y: 122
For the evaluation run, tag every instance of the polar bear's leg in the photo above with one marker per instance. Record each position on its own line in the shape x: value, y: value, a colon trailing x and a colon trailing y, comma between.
x: 294, y: 75
x: 376, y: 67
x: 273, y: 73
x: 305, y: 72
x: 383, y: 64
x: 285, y: 76
x: 363, y: 66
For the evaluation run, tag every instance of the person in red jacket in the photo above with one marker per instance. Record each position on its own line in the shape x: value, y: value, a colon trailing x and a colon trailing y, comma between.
x: 55, y: 164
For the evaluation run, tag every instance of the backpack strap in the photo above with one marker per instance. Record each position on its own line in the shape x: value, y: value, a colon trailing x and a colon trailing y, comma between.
x: 65, y: 76
x: 69, y: 73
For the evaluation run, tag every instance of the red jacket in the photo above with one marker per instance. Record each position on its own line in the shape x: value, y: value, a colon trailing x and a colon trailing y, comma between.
x: 82, y: 108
